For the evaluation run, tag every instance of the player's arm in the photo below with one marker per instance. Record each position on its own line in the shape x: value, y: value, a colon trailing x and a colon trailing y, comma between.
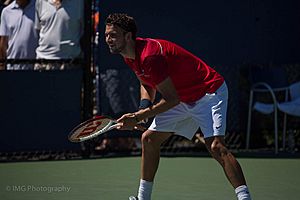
x: 147, y: 94
x: 169, y: 99
x: 158, y: 71
x: 3, y: 48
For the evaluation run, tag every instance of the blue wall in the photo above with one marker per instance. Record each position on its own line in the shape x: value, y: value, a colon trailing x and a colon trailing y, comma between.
x: 226, y: 34
x: 39, y: 109
x: 221, y: 32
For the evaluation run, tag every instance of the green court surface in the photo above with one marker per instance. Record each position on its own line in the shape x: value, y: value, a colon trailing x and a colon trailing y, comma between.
x: 179, y: 178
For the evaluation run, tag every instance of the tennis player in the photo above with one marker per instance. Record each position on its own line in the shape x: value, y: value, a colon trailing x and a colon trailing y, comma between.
x: 193, y: 95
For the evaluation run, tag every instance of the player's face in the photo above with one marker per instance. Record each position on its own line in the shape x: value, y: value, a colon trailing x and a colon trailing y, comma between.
x: 115, y: 38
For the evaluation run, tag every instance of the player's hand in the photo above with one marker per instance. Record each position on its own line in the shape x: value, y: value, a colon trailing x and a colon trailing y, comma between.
x: 129, y: 122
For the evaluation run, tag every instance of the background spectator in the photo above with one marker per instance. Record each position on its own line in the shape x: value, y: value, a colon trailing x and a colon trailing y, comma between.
x: 18, y: 36
x: 4, y: 3
x: 60, y: 26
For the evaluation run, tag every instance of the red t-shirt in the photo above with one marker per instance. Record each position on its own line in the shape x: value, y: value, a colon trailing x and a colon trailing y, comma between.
x: 158, y: 59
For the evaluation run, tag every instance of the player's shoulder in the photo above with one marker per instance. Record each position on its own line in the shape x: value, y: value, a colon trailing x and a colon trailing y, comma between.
x: 149, y: 47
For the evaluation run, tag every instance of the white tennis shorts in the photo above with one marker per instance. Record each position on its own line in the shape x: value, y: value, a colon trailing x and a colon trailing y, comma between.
x: 208, y: 113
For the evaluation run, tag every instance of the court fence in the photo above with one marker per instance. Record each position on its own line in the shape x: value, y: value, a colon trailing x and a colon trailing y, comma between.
x: 39, y: 107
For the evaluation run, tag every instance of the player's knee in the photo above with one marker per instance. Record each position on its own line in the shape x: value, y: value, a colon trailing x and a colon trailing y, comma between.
x: 148, y: 140
x: 145, y: 139
x: 218, y: 150
x: 152, y: 139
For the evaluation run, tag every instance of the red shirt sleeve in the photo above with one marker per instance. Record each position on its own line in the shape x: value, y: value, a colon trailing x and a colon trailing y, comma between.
x: 156, y: 68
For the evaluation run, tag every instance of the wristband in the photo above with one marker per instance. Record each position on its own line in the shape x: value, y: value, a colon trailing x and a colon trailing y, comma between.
x: 145, y: 103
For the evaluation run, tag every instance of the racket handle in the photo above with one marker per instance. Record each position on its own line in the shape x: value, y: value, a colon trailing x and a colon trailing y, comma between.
x: 144, y: 121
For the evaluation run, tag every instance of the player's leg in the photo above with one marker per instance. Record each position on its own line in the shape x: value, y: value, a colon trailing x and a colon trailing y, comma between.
x: 211, y: 113
x: 232, y: 169
x: 216, y: 146
x: 175, y: 120
x: 151, y: 142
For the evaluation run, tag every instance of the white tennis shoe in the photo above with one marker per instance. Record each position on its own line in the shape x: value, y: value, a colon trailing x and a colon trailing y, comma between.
x: 133, y: 198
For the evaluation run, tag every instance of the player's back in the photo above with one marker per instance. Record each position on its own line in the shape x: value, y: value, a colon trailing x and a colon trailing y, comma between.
x: 188, y: 71
x: 157, y: 59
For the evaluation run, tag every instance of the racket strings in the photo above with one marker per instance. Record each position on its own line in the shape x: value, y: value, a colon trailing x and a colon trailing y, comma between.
x: 90, y: 128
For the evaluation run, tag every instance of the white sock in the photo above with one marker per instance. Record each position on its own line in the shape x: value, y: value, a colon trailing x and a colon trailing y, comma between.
x: 242, y: 193
x: 145, y: 190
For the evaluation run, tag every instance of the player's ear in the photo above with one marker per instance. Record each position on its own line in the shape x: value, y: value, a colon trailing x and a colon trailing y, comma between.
x: 128, y: 36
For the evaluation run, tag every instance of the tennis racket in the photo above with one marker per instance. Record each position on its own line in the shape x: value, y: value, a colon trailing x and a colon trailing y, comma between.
x: 92, y: 128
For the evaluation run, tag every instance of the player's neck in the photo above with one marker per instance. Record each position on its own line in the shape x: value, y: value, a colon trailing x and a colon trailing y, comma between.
x: 129, y: 51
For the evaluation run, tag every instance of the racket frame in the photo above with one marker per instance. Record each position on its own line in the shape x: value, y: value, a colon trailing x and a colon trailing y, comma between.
x: 73, y: 136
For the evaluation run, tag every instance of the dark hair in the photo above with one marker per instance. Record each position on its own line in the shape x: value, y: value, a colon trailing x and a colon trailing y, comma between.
x: 124, y: 21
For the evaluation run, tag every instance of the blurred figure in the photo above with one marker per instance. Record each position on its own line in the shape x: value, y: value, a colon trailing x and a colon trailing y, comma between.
x: 60, y: 26
x: 4, y: 3
x: 18, y: 36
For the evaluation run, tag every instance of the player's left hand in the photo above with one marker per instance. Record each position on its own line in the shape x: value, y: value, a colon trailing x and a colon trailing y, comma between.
x: 128, y: 122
